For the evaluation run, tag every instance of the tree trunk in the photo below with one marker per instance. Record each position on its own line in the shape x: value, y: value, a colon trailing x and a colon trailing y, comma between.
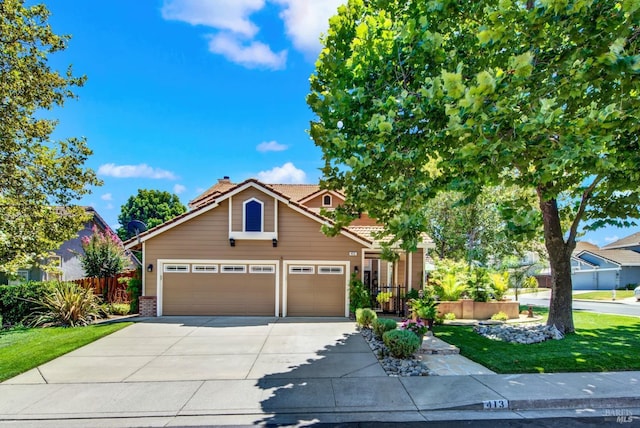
x: 561, y: 304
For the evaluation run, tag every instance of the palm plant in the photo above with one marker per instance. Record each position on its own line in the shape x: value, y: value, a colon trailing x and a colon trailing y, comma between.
x: 499, y: 283
x: 450, y: 287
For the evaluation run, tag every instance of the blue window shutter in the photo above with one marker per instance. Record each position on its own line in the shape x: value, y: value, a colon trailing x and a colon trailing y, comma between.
x: 253, y: 216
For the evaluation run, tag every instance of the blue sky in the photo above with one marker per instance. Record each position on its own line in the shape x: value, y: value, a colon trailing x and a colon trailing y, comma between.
x: 183, y: 92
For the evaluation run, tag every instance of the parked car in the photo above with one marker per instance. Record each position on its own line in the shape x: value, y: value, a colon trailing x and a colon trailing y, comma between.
x: 636, y: 292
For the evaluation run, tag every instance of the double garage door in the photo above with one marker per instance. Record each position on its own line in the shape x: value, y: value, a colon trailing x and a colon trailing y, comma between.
x: 258, y: 289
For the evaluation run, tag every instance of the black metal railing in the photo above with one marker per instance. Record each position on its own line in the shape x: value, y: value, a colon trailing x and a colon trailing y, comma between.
x: 394, y: 301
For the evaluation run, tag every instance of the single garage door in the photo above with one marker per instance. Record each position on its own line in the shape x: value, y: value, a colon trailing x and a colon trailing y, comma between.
x: 316, y: 290
x: 218, y: 289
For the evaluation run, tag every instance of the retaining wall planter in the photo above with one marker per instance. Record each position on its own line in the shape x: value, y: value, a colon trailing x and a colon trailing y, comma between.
x: 468, y: 309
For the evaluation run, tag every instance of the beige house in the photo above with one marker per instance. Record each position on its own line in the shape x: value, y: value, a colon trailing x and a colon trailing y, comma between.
x: 257, y: 249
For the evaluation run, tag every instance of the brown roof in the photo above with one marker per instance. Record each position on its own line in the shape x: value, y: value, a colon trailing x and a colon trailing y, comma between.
x: 295, y: 192
x: 369, y: 232
x: 629, y: 241
x: 584, y: 245
x: 211, y: 195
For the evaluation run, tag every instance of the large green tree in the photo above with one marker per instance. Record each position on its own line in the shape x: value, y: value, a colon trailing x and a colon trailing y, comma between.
x: 39, y: 178
x: 152, y: 207
x: 414, y: 97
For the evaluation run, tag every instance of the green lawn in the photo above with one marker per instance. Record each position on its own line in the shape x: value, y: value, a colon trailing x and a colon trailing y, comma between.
x: 22, y: 349
x: 602, y: 343
x: 603, y: 295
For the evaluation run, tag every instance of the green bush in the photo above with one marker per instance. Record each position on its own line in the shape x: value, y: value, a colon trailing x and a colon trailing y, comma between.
x: 67, y: 304
x: 500, y: 316
x: 450, y: 316
x: 401, y: 343
x: 17, y: 302
x: 365, y: 316
x: 358, y: 294
x: 119, y: 308
x: 382, y: 325
x: 478, y: 284
x: 134, y: 288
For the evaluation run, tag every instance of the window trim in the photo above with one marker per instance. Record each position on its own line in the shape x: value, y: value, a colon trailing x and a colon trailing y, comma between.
x: 324, y: 204
x: 302, y: 270
x: 176, y: 268
x: 244, y: 215
x: 260, y: 269
x: 223, y: 268
x: 331, y: 270
x: 204, y: 267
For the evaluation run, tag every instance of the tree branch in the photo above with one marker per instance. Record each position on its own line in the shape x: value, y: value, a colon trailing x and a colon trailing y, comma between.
x: 573, y: 230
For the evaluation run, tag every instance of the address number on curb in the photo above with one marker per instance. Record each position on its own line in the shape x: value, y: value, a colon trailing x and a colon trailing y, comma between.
x: 495, y: 404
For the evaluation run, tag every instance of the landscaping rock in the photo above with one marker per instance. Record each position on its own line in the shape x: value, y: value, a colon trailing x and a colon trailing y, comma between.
x: 519, y: 333
x: 394, y: 366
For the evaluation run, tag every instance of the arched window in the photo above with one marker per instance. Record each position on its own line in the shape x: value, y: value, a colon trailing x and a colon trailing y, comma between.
x: 253, y: 210
x: 326, y: 201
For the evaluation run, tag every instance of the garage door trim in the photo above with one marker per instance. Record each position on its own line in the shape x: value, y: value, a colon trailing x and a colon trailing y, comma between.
x: 285, y: 270
x: 160, y: 275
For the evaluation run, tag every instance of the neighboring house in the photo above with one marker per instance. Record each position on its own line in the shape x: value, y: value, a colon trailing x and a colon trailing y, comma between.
x: 257, y: 249
x: 67, y: 257
x: 612, y: 266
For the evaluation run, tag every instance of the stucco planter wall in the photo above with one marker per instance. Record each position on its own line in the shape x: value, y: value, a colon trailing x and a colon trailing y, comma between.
x: 468, y: 309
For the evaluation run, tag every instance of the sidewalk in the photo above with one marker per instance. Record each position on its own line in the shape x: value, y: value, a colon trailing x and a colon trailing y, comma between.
x: 315, y: 400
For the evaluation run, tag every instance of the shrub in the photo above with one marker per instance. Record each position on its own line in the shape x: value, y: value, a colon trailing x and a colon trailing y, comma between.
x: 382, y: 325
x: 134, y: 288
x: 500, y: 316
x: 401, y: 343
x: 358, y: 294
x: 384, y: 297
x: 499, y: 284
x: 104, y: 255
x: 450, y: 316
x: 119, y: 308
x: 67, y: 304
x: 365, y: 316
x: 17, y: 302
x: 478, y: 285
x: 450, y: 287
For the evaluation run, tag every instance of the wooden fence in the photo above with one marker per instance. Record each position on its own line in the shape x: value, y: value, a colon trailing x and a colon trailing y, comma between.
x: 116, y: 289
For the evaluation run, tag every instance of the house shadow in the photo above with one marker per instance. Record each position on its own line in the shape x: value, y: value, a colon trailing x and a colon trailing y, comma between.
x: 343, y: 376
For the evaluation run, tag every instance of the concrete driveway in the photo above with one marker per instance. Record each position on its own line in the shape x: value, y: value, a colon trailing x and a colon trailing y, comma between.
x: 215, y: 348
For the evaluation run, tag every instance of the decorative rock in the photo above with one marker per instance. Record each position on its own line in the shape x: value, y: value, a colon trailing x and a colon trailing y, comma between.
x: 393, y: 366
x: 519, y: 333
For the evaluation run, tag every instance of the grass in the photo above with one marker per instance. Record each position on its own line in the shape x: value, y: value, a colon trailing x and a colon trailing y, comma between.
x: 601, y: 343
x: 603, y: 295
x: 22, y: 349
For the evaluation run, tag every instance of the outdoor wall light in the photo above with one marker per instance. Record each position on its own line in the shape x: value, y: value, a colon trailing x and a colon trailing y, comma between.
x: 274, y: 242
x: 232, y: 242
x: 150, y: 267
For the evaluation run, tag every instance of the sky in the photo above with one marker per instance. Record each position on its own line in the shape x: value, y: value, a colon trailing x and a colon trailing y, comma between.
x: 180, y: 93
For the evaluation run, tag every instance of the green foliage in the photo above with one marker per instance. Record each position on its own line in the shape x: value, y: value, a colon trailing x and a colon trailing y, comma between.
x: 478, y: 284
x: 17, y: 302
x: 449, y: 316
x: 382, y: 325
x: 67, y: 304
x: 39, y: 175
x: 415, y: 98
x: 401, y: 343
x: 359, y: 296
x: 365, y: 317
x: 384, y: 297
x: 103, y: 256
x: 412, y: 294
x: 499, y: 284
x: 152, y: 207
x: 500, y: 316
x: 134, y: 288
x: 416, y: 326
x: 425, y: 308
x: 119, y: 308
x: 450, y: 287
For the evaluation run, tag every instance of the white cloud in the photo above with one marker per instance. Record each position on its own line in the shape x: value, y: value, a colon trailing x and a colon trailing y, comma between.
x: 135, y: 171
x: 611, y: 238
x: 305, y: 20
x: 250, y: 55
x: 285, y: 174
x: 107, y: 197
x: 271, y: 146
x: 221, y: 14
x: 178, y: 189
